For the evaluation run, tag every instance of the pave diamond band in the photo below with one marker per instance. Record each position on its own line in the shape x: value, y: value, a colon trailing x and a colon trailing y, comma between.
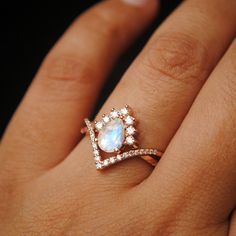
x: 116, y: 133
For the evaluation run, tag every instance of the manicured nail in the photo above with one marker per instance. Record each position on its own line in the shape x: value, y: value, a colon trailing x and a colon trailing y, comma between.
x: 138, y: 3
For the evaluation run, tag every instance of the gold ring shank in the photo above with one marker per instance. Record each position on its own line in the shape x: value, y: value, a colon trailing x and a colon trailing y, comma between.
x: 152, y: 160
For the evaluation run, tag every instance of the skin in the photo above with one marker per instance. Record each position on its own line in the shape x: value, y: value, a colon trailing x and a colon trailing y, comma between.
x: 184, y: 80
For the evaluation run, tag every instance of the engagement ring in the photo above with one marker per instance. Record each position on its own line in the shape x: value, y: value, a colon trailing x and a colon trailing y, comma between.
x: 115, y: 134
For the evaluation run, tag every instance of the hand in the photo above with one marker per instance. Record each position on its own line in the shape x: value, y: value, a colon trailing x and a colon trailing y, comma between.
x: 49, y: 184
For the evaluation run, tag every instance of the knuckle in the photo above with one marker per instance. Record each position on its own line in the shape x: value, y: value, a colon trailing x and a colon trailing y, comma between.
x: 61, y: 77
x: 66, y: 68
x: 177, y: 56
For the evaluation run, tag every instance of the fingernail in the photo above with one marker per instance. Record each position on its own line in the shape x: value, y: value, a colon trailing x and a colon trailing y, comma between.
x: 138, y: 3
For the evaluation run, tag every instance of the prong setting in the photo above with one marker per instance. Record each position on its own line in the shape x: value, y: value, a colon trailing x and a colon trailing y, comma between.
x: 129, y: 131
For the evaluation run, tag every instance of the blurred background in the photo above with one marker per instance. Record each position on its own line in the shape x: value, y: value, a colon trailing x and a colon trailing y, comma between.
x: 28, y: 33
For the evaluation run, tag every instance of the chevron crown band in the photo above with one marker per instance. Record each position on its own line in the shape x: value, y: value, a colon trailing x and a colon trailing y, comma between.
x: 115, y: 134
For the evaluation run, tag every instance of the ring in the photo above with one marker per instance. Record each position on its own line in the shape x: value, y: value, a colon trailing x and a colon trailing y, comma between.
x: 115, y: 134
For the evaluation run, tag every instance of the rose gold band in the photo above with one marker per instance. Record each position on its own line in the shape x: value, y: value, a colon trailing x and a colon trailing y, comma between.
x: 152, y: 160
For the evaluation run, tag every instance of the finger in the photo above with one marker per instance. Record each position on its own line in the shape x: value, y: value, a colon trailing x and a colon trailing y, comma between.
x: 163, y: 81
x: 232, y: 229
x: 47, y: 124
x: 198, y: 167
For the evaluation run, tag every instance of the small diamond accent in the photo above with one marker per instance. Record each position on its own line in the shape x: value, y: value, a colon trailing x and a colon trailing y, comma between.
x: 131, y: 152
x: 130, y: 140
x: 106, y: 119
x: 136, y: 152
x: 130, y: 130
x: 124, y: 111
x: 96, y: 152
x: 125, y: 155
x: 98, y: 125
x: 106, y: 162
x: 129, y: 120
x: 112, y: 160
x: 114, y: 114
x: 141, y: 151
x: 98, y: 165
x: 119, y: 157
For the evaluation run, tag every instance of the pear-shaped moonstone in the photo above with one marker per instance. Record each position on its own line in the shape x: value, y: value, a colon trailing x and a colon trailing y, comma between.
x: 111, y: 136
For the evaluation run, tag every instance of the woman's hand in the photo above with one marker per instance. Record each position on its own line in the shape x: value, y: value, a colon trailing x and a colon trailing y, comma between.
x: 48, y: 182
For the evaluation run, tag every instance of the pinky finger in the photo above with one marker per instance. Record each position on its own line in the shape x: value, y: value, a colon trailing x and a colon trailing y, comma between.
x: 198, y: 167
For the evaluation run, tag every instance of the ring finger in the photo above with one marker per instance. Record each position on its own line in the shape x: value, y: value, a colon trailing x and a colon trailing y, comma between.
x: 163, y: 81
